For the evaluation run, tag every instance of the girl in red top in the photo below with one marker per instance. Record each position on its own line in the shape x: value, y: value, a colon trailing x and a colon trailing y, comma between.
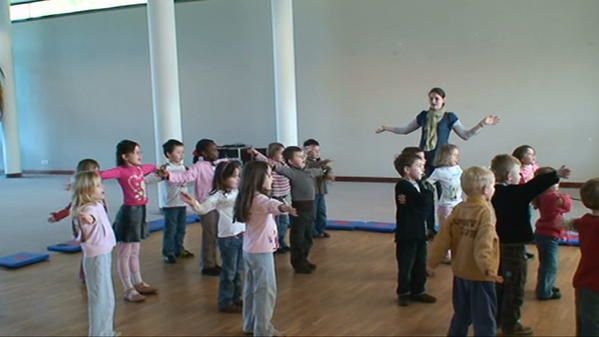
x: 586, y: 278
x: 551, y: 205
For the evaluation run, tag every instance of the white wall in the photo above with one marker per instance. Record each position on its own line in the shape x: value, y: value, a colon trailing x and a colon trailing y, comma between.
x: 84, y: 84
x: 534, y: 63
x: 84, y: 80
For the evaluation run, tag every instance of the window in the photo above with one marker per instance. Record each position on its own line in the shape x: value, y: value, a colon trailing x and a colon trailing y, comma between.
x: 23, y: 10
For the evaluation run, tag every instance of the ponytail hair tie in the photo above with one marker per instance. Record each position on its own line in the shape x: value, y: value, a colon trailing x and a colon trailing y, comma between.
x: 196, y: 153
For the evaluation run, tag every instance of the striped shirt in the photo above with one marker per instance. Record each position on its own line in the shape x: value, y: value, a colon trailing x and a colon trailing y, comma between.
x: 280, y: 184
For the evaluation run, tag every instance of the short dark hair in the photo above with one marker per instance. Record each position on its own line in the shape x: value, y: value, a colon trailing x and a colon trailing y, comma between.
x: 201, y: 147
x: 124, y: 147
x: 589, y: 193
x: 404, y: 160
x: 311, y: 142
x: 411, y: 150
x: 170, y: 146
x: 520, y: 151
x: 289, y: 152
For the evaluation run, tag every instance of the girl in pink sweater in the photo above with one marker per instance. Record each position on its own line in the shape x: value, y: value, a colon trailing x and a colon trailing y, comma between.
x: 254, y: 207
x: 130, y: 225
x: 97, y: 240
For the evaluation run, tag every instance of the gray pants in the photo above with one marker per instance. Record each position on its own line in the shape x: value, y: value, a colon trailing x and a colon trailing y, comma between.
x: 100, y: 294
x: 259, y: 293
x: 209, y: 238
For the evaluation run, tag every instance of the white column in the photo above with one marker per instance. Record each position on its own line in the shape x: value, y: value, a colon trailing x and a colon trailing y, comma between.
x: 284, y: 69
x: 165, y: 74
x: 9, y: 131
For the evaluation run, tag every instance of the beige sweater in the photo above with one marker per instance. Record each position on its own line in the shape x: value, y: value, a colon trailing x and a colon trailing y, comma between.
x: 470, y: 234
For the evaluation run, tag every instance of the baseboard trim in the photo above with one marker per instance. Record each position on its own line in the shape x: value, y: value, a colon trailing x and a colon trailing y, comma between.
x: 355, y: 179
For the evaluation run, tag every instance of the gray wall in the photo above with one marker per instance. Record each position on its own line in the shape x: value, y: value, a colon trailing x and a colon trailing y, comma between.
x: 83, y: 81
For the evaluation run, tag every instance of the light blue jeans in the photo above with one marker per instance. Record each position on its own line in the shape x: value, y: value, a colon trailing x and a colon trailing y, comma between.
x: 548, y: 248
x: 259, y: 293
x: 100, y: 294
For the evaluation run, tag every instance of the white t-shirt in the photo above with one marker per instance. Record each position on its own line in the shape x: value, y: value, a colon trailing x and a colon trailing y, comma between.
x: 451, y: 188
x: 170, y: 195
x: 224, y: 204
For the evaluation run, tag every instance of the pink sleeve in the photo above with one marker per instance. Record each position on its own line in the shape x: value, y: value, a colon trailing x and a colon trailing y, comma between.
x: 148, y: 168
x: 186, y: 176
x: 268, y: 205
x: 112, y: 173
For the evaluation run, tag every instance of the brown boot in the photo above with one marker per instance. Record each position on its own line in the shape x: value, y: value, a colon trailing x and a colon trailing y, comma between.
x: 145, y: 289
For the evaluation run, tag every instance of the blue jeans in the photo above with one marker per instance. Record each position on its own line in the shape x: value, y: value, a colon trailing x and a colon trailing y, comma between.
x: 282, y: 226
x: 231, y: 253
x: 587, y: 312
x: 548, y: 262
x: 320, y: 213
x: 259, y: 293
x: 474, y: 302
x: 175, y: 220
x: 100, y: 294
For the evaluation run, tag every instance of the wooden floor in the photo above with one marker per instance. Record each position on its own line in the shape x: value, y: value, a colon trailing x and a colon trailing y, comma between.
x: 351, y: 293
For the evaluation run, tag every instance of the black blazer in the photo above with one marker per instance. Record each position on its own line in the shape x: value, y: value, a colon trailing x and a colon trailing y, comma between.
x: 411, y: 218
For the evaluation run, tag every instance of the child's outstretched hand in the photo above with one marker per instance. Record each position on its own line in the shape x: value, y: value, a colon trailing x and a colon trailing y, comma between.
x: 162, y: 172
x: 253, y: 151
x: 187, y: 198
x: 51, y: 218
x: 402, y: 199
x: 563, y: 172
x: 286, y: 208
x: 490, y: 120
x: 496, y: 278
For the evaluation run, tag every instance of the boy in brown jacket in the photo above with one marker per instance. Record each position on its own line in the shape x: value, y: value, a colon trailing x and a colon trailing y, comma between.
x: 470, y: 234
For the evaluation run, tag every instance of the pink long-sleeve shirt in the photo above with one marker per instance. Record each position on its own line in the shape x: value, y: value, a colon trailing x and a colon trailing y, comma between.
x: 131, y: 180
x: 96, y: 238
x: 261, y: 234
x: 202, y: 172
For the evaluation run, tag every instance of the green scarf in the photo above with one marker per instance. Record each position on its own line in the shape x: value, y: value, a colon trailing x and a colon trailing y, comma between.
x: 432, y: 119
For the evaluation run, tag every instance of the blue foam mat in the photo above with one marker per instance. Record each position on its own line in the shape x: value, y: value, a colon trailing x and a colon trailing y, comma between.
x: 156, y: 225
x: 193, y: 218
x: 343, y: 225
x: 378, y: 227
x: 22, y: 259
x: 66, y: 247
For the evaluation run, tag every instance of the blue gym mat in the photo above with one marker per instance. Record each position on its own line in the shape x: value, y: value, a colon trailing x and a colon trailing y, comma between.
x: 343, y: 225
x: 22, y: 259
x: 72, y: 246
x: 378, y: 227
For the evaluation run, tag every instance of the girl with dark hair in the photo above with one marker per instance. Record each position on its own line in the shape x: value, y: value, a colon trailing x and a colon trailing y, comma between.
x: 130, y: 226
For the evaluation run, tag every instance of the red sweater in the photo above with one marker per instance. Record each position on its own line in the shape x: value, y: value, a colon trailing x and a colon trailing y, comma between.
x: 587, y: 274
x: 552, y: 206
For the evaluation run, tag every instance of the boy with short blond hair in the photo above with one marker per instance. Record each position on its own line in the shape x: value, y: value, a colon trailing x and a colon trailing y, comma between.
x: 469, y: 232
x: 511, y: 203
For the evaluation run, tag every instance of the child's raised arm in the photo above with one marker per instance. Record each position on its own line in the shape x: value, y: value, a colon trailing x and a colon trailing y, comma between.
x: 201, y: 208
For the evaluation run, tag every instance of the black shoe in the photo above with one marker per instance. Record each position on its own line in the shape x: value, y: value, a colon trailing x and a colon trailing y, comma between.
x: 185, y: 254
x: 518, y: 330
x: 169, y: 259
x: 423, y: 298
x: 554, y: 296
x: 303, y: 270
x: 231, y: 309
x: 403, y: 300
x: 555, y: 290
x: 311, y: 265
x: 211, y: 271
x: 326, y: 235
x: 530, y: 256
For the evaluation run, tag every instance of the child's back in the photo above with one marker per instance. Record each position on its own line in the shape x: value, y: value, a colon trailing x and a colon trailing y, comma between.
x: 471, y: 236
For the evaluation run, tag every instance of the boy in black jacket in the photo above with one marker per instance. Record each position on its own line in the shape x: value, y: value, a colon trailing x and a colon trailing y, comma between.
x: 511, y: 202
x: 411, y: 231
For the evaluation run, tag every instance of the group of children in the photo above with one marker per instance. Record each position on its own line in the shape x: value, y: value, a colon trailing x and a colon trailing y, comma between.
x: 486, y: 235
x: 238, y: 207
